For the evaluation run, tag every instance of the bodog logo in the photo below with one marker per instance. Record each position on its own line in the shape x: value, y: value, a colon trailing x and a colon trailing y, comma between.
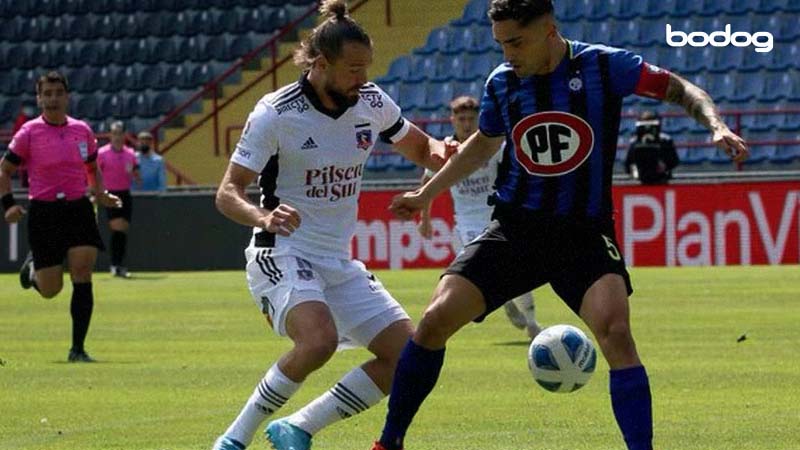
x: 552, y: 143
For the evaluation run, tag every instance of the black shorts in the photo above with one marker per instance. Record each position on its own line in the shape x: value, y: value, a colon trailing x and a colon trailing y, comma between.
x: 126, y: 212
x: 55, y: 227
x: 516, y: 255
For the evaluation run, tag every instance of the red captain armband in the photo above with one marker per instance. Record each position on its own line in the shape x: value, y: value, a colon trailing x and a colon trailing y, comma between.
x: 653, y: 82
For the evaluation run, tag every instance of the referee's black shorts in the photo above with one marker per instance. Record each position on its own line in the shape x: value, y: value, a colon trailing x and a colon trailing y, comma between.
x: 518, y: 253
x: 55, y: 227
x: 126, y: 212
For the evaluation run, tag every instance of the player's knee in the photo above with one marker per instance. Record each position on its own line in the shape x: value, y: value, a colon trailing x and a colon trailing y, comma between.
x: 319, y: 347
x: 617, y: 335
x: 435, y: 327
x: 49, y: 291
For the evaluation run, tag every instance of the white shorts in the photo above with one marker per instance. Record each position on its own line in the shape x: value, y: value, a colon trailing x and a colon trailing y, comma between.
x: 280, y: 279
x: 465, y: 234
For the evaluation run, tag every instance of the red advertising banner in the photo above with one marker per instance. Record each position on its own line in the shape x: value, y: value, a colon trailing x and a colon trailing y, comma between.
x: 674, y: 225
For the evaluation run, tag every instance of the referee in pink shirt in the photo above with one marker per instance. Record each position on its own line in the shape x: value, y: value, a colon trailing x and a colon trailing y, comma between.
x: 119, y: 166
x: 58, y: 151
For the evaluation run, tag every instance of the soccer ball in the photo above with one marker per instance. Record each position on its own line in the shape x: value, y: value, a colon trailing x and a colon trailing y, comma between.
x: 562, y: 358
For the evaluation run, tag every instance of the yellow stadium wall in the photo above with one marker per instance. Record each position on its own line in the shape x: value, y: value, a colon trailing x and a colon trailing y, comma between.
x: 412, y: 21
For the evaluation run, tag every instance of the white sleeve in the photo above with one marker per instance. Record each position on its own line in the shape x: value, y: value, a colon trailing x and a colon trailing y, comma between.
x: 393, y: 126
x: 259, y: 141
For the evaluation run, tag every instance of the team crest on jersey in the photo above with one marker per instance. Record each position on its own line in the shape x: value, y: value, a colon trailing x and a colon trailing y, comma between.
x: 364, y: 139
x: 83, y: 148
x: 552, y: 143
x: 576, y: 84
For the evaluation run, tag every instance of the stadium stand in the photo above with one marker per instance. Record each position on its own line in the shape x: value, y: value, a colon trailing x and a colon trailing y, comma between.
x: 128, y: 59
x: 738, y: 79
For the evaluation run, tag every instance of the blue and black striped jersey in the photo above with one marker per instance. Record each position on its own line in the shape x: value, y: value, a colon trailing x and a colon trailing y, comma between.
x: 561, y: 128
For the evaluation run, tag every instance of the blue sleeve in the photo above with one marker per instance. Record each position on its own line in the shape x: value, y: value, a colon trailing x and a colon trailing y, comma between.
x: 490, y: 120
x: 625, y: 68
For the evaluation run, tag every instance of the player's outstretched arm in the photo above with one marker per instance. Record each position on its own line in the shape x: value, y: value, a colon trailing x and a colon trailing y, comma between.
x: 233, y: 203
x: 472, y: 154
x: 422, y: 149
x: 699, y: 105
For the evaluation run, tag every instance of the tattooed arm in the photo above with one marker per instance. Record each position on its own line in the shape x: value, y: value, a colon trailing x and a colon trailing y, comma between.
x: 699, y: 106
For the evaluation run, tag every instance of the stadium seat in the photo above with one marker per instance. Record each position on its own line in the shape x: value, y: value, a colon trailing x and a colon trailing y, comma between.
x: 748, y: 87
x: 570, y: 11
x: 207, y: 22
x: 86, y: 107
x: 260, y: 20
x: 452, y: 69
x: 412, y: 95
x: 115, y: 105
x: 478, y: 68
x: 474, y: 13
x: 125, y: 6
x: 39, y: 28
x: 625, y: 33
x: 438, y: 40
x: 215, y: 47
x: 391, y: 89
x: 785, y: 154
x: 778, y: 86
x: 625, y: 9
x: 438, y: 96
x: 783, y: 57
x: 743, y: 6
x: 81, y: 79
x: 399, y: 69
x: 163, y: 103
x: 720, y: 60
x: 42, y: 55
x: 657, y: 8
x: 6, y: 83
x: 472, y: 89
x: 71, y: 6
x: 106, y: 79
x: 790, y: 123
x: 239, y: 46
x: 376, y: 163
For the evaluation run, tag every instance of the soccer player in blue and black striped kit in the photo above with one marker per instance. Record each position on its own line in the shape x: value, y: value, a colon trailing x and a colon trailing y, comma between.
x: 557, y: 104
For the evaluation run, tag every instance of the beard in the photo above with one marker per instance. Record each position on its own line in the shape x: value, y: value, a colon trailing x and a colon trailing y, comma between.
x: 341, y: 100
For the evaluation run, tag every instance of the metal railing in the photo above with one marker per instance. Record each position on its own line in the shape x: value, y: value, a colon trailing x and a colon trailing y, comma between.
x: 212, y: 89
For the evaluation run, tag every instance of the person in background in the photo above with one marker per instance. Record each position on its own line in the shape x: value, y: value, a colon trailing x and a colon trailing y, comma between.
x: 119, y: 167
x: 651, y: 154
x: 471, y: 208
x: 59, y: 151
x: 152, y: 172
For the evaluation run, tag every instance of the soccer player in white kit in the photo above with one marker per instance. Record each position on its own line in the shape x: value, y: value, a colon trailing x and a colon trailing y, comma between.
x: 471, y: 209
x: 307, y: 143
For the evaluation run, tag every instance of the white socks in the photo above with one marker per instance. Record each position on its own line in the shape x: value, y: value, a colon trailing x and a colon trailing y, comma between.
x: 353, y: 394
x: 270, y: 394
x: 525, y: 305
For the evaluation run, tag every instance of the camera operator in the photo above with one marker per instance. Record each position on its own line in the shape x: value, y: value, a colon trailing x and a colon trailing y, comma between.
x: 651, y: 155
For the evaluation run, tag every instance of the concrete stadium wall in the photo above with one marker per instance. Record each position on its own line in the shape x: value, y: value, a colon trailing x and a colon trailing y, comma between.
x: 168, y: 232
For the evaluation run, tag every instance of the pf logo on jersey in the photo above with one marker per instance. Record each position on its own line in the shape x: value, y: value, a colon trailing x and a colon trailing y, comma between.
x: 552, y: 143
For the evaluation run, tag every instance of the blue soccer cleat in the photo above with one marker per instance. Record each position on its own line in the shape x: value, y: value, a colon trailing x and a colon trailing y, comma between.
x: 226, y: 443
x: 284, y: 436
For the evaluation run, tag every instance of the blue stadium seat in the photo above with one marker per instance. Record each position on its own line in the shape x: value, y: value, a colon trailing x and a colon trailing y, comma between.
x: 454, y: 68
x: 160, y: 23
x: 239, y: 46
x: 214, y: 47
x: 791, y: 122
x: 110, y: 26
x: 474, y: 13
x: 723, y: 59
x: 178, y: 75
x: 722, y: 87
x: 438, y: 40
x: 595, y: 10
x: 391, y: 89
x: 91, y: 53
x: 399, y: 69
x: 86, y: 107
x: 81, y: 79
x: 657, y: 8
x: 261, y: 20
x: 163, y: 103
x: 713, y: 8
x: 478, y: 68
x: 106, y: 79
x: 783, y: 57
x: 134, y: 25
x: 438, y: 95
x: 625, y: 9
x: 625, y: 33
x: 743, y: 6
x: 785, y: 154
x: 425, y: 65
x: 376, y: 163
x: 760, y: 154
x: 72, y: 6
x: 771, y: 6
x: 482, y: 40
x: 748, y: 87
x: 139, y: 104
x: 472, y: 89
x: 683, y: 8
x: 6, y: 83
x: 570, y: 11
x: 41, y: 55
x: 114, y: 105
x: 129, y: 78
x: 778, y: 86
x: 100, y: 6
x: 412, y: 95
x: 124, y: 6
x: 678, y: 124
x: 167, y: 50
x: 9, y: 108
x: 207, y: 22
x: 692, y: 156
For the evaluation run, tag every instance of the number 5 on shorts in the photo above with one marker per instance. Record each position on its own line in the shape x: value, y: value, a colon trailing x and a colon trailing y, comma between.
x: 612, y: 249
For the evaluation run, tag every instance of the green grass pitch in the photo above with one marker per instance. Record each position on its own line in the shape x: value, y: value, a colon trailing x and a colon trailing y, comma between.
x: 180, y: 352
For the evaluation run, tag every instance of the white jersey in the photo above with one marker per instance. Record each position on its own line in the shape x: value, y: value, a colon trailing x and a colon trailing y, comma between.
x: 470, y: 195
x: 312, y: 159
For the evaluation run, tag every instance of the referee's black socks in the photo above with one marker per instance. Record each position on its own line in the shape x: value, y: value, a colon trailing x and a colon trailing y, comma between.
x: 119, y: 240
x: 81, y: 310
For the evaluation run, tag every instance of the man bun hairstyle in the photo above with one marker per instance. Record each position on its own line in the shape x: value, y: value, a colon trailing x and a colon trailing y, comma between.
x: 523, y: 11
x: 328, y: 38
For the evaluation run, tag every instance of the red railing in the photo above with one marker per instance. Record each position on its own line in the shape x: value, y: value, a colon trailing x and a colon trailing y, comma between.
x: 213, y: 87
